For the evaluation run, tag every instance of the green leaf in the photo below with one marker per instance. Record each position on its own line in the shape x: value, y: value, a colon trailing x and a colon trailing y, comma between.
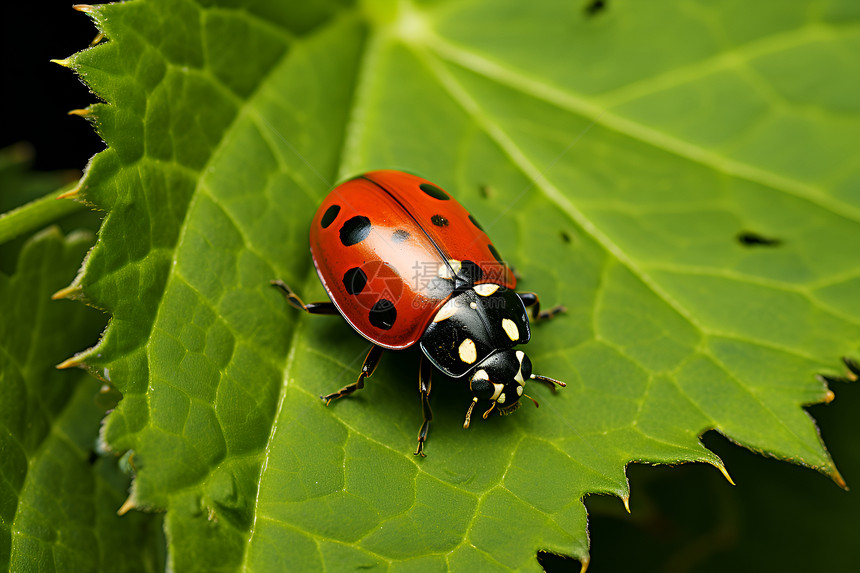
x: 28, y: 202
x: 59, y: 499
x: 680, y: 176
x: 36, y: 214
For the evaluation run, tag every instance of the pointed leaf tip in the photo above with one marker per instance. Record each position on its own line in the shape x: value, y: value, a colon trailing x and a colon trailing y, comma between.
x: 86, y: 8
x: 585, y: 563
x: 725, y: 473
x: 838, y: 479
x: 76, y: 360
x: 128, y: 505
x: 853, y: 367
x: 65, y: 62
x: 626, y: 500
x: 72, y: 291
x: 80, y: 112
x: 71, y: 193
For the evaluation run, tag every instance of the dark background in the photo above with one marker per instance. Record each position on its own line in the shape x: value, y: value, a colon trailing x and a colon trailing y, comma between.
x: 37, y: 94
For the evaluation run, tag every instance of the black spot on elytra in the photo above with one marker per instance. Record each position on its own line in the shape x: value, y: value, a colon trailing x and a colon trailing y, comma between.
x: 496, y: 254
x: 475, y: 222
x: 329, y: 216
x: 354, y: 280
x: 595, y: 7
x: 434, y: 191
x: 750, y: 239
x: 400, y: 236
x: 439, y: 221
x: 470, y: 271
x: 355, y: 230
x: 383, y: 314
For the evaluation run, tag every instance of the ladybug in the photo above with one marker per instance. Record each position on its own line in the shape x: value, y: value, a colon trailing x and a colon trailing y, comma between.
x: 405, y: 263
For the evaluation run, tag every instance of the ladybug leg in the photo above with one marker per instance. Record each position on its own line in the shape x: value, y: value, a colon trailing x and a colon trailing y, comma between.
x: 311, y: 307
x: 425, y: 371
x: 371, y: 361
x: 531, y: 299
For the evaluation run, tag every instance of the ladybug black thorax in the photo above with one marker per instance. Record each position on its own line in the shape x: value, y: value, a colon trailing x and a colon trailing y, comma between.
x: 473, y: 325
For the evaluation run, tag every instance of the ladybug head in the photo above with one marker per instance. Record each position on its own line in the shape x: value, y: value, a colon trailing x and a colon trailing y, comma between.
x: 501, y: 378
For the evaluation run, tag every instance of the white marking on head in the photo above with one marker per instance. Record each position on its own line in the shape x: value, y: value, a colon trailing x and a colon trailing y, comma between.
x: 467, y: 351
x: 498, y: 391
x: 447, y: 311
x: 486, y: 289
x: 519, y: 390
x: 481, y: 375
x: 519, y: 375
x: 511, y: 329
x: 501, y: 399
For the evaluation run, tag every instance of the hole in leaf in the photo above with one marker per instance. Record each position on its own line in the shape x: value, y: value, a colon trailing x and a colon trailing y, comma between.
x: 595, y: 7
x: 751, y: 239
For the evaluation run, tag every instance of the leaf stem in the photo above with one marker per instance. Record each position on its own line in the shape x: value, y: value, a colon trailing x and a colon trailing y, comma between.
x: 36, y: 214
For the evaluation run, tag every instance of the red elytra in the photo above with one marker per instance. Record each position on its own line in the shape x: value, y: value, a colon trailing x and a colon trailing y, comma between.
x: 384, y: 244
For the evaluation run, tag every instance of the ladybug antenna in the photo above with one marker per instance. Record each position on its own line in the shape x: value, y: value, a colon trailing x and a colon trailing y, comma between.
x: 487, y: 413
x: 469, y: 413
x: 532, y: 399
x: 551, y: 382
